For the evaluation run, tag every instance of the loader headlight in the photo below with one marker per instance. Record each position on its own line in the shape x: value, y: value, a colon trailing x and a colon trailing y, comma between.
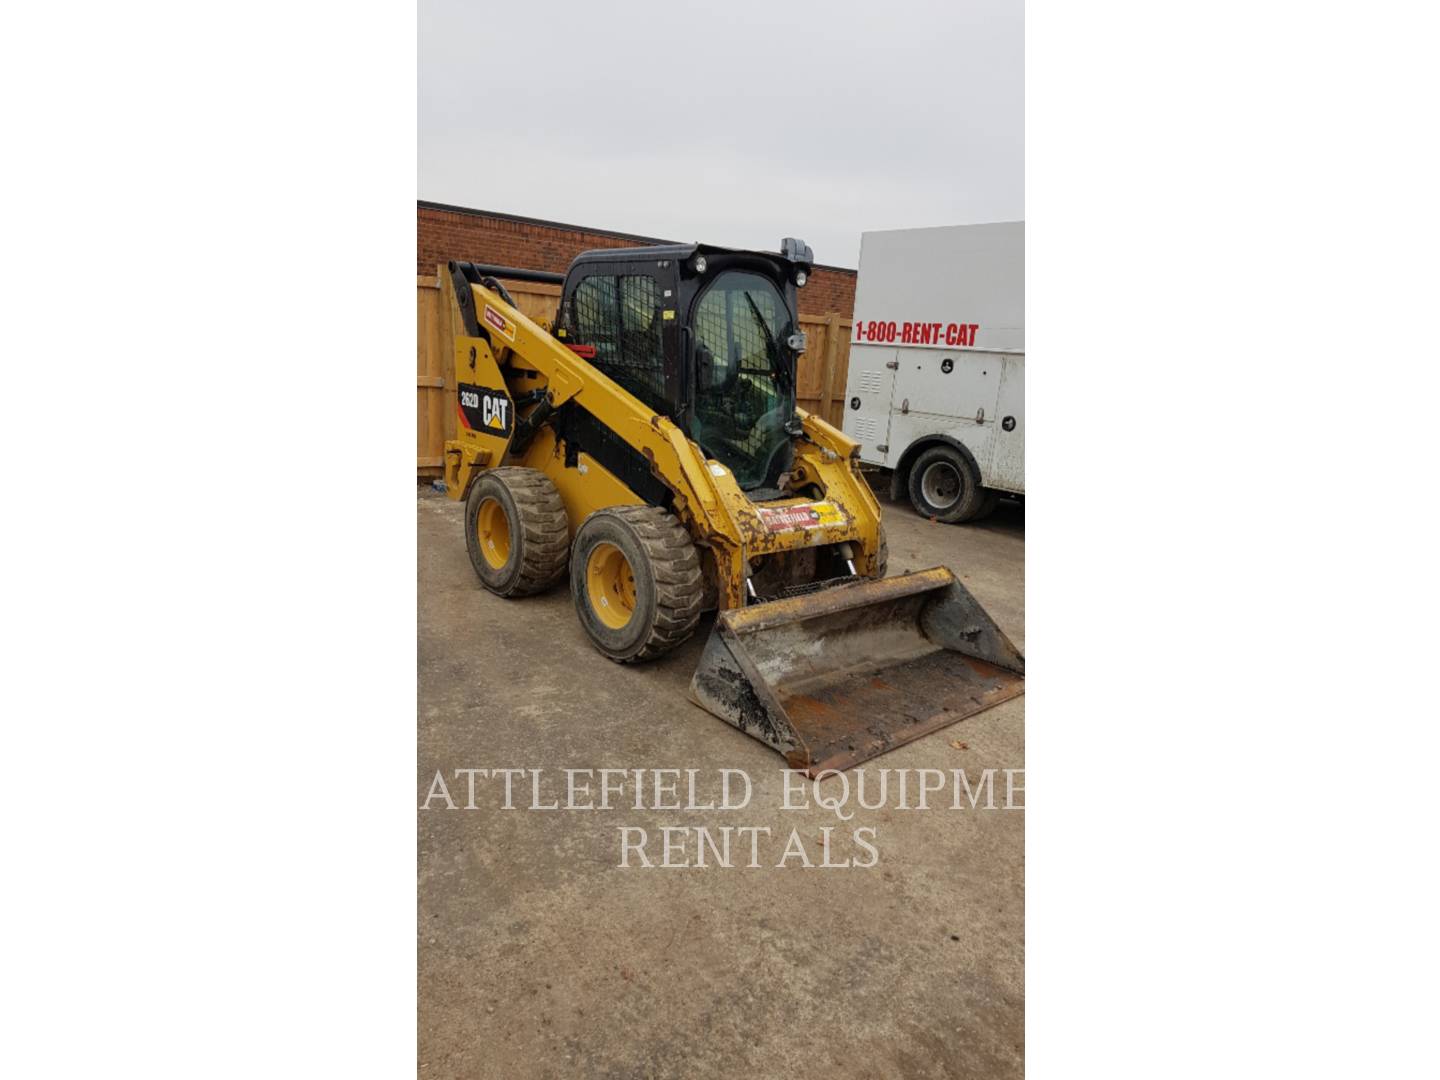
x: 800, y: 279
x: 699, y: 264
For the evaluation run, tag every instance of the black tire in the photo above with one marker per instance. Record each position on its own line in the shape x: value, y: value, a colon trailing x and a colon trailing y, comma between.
x: 649, y: 599
x: 945, y: 486
x: 516, y: 531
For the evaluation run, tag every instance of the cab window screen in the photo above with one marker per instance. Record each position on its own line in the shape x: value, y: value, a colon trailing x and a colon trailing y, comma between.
x: 620, y: 316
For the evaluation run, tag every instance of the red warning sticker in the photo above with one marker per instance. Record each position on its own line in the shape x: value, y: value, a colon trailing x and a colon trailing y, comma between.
x: 499, y: 322
x: 804, y: 516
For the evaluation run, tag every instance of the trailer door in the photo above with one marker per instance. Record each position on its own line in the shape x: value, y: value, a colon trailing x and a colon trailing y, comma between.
x: 1008, y: 464
x: 867, y: 400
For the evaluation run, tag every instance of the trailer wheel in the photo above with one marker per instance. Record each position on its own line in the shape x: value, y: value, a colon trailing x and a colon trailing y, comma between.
x: 635, y: 578
x: 516, y: 531
x: 945, y: 486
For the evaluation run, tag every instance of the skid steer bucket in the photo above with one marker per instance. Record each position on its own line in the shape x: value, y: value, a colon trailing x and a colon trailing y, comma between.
x: 833, y: 678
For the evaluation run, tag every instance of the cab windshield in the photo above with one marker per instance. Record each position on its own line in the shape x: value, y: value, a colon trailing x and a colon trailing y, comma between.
x: 744, y: 377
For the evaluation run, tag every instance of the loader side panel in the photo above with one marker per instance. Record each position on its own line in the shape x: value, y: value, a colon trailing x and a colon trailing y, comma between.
x: 579, y: 431
x: 585, y: 485
x: 485, y: 414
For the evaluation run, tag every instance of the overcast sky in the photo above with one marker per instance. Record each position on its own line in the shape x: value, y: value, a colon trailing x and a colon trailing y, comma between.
x: 732, y: 121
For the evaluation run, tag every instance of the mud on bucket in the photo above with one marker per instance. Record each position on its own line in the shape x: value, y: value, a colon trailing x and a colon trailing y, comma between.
x: 833, y: 678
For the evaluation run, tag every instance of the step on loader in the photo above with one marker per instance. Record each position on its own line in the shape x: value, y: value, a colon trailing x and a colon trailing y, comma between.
x: 648, y: 446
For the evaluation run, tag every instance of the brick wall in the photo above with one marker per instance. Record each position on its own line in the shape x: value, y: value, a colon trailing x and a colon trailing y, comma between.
x: 445, y: 233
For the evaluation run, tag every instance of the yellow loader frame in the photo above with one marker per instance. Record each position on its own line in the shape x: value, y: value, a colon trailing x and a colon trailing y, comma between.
x: 527, y: 362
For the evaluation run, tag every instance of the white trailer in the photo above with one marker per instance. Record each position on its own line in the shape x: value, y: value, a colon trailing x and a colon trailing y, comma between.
x: 936, y: 387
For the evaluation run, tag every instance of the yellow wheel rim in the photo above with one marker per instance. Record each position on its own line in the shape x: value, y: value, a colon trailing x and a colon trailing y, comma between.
x: 610, y: 583
x: 493, y: 528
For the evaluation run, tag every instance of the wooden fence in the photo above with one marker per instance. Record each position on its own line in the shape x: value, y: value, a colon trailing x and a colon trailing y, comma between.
x: 820, y: 389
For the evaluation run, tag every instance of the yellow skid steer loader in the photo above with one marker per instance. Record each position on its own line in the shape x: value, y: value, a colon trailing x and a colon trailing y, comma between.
x: 649, y: 442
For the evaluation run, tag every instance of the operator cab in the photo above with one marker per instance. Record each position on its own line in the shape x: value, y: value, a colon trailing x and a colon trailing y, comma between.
x: 706, y: 336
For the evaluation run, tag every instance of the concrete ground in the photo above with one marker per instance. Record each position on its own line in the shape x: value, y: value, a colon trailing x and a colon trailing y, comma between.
x: 540, y: 957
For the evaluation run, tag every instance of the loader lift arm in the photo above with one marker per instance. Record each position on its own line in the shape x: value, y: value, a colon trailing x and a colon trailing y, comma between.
x: 490, y: 315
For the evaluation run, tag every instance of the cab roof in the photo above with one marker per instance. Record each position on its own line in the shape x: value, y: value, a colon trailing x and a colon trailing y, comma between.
x: 682, y: 252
